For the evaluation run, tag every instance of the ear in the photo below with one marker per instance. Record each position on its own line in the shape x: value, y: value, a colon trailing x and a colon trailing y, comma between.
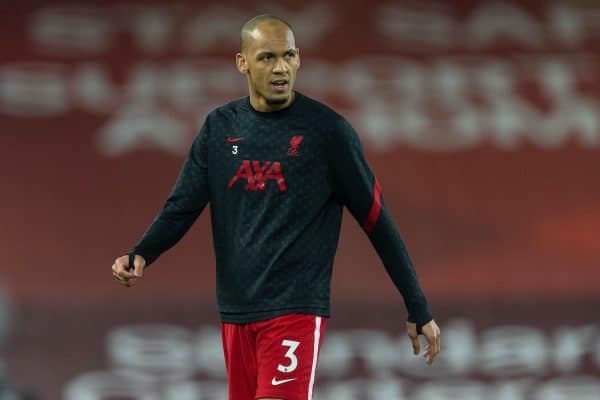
x: 298, y: 56
x: 241, y: 64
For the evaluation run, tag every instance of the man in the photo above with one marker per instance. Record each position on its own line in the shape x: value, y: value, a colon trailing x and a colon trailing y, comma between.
x: 277, y: 168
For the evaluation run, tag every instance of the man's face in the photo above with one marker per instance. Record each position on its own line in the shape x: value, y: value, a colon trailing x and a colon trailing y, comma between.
x: 270, y: 61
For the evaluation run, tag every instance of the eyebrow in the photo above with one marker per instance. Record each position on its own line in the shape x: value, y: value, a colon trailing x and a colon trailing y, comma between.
x: 270, y: 53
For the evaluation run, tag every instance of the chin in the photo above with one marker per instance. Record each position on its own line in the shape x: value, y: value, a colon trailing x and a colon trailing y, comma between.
x: 278, y: 100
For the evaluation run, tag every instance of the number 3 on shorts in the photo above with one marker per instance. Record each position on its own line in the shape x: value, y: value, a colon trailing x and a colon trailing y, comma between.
x: 292, y: 346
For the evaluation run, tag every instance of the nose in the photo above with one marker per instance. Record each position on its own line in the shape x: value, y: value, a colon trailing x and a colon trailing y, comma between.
x: 280, y: 66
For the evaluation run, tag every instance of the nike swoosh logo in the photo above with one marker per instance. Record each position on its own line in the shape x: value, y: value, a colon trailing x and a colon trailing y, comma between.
x: 275, y: 382
x: 233, y: 140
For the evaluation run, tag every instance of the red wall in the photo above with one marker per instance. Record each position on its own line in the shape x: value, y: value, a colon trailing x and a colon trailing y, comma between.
x: 486, y: 141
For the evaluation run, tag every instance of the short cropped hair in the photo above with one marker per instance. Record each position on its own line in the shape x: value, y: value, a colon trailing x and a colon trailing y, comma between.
x: 251, y: 24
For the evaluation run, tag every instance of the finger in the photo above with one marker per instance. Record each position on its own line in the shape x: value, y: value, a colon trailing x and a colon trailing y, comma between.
x: 431, y: 357
x: 124, y: 281
x: 431, y: 352
x: 426, y: 354
x: 122, y: 271
x: 415, y: 344
x: 433, y: 346
x: 119, y: 276
x: 126, y: 274
x: 120, y: 267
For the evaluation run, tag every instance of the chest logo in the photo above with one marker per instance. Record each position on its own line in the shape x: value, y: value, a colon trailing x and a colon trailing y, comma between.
x: 233, y: 141
x: 257, y: 174
x: 230, y: 140
x: 294, y: 144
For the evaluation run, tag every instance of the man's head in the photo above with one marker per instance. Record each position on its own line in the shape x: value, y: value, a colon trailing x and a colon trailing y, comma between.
x: 269, y: 59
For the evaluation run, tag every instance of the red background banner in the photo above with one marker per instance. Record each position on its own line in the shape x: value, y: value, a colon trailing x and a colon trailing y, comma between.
x: 481, y: 121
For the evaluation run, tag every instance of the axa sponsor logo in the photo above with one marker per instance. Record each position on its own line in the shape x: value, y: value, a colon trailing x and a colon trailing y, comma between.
x: 257, y: 173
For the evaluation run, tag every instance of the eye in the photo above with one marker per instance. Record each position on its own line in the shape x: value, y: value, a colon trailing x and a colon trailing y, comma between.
x: 266, y: 57
x: 290, y: 54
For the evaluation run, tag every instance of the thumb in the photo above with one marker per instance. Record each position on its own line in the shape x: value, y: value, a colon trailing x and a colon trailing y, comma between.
x: 138, y: 263
x: 416, y: 345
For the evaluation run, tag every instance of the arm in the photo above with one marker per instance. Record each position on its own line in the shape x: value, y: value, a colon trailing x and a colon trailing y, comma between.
x: 188, y: 198
x: 185, y: 203
x: 357, y: 188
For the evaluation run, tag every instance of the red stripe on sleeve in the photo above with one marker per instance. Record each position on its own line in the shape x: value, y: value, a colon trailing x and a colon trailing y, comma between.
x: 373, y: 216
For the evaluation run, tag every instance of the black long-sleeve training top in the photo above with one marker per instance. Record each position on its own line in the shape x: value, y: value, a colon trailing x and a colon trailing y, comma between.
x: 277, y: 182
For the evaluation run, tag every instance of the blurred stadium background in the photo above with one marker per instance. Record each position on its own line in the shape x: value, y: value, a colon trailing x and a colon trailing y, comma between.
x: 480, y: 118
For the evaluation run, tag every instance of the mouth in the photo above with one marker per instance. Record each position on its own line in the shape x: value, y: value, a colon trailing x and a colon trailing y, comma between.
x: 280, y: 85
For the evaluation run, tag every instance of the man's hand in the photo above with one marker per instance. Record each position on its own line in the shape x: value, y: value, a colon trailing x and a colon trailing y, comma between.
x: 126, y: 274
x: 432, y: 333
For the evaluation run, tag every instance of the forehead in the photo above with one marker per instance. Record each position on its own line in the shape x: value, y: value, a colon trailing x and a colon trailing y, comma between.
x: 270, y: 36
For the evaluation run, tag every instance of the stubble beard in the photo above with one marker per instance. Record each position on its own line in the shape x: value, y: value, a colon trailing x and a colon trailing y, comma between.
x: 277, y: 102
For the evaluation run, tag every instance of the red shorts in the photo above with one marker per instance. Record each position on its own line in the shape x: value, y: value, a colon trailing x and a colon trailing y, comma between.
x: 276, y: 358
